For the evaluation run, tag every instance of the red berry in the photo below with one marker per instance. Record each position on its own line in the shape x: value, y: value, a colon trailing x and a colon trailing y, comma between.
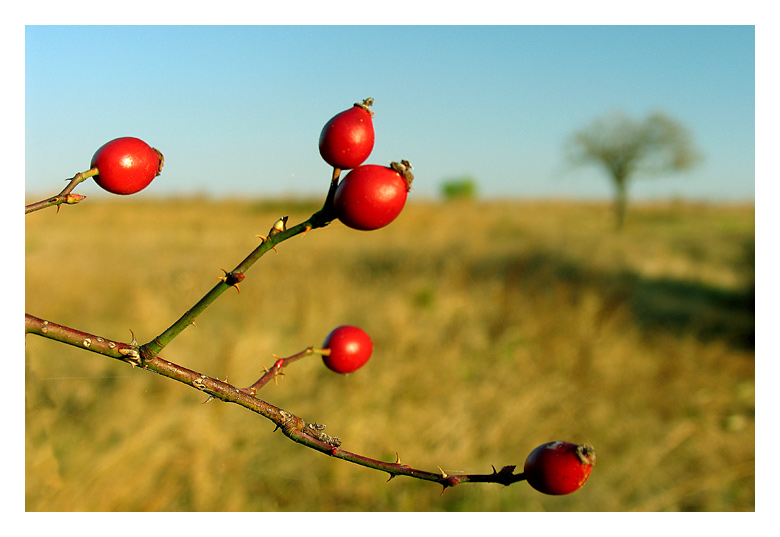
x: 348, y: 138
x: 559, y: 467
x: 350, y: 348
x: 126, y: 165
x: 372, y: 196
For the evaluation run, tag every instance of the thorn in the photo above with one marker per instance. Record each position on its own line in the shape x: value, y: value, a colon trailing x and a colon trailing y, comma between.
x: 276, y: 376
x: 305, y: 231
x: 398, y: 459
x: 389, y: 478
x: 444, y: 474
x: 207, y: 400
x: 134, y: 343
x: 263, y: 239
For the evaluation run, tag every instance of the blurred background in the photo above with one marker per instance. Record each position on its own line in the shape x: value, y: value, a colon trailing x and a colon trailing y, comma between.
x: 507, y: 307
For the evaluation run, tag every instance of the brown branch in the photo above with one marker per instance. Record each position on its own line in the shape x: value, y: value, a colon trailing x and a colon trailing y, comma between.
x: 127, y: 352
x: 311, y: 435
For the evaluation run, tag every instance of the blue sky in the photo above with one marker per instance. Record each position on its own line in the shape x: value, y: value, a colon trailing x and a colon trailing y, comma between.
x: 238, y: 110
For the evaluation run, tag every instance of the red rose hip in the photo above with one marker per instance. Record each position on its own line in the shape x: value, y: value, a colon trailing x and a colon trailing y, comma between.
x: 372, y: 196
x: 559, y: 467
x: 126, y: 165
x: 349, y: 349
x: 347, y: 139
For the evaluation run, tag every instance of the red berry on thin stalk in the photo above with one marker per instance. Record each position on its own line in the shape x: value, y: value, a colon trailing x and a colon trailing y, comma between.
x: 559, y: 467
x: 372, y: 196
x: 349, y: 349
x: 347, y: 138
x: 126, y: 165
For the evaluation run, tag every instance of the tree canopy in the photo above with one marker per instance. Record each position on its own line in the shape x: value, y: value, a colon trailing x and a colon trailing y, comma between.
x: 626, y: 147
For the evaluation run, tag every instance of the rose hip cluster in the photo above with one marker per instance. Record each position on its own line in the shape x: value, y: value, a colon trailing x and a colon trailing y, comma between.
x: 370, y: 196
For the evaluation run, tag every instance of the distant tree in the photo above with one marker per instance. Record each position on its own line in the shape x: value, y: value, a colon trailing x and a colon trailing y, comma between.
x: 459, y: 188
x: 627, y: 147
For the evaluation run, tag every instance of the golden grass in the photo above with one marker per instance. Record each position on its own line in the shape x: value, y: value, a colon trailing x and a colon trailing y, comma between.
x: 497, y: 326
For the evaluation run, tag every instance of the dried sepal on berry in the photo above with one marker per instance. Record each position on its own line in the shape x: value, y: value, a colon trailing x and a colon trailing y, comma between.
x: 405, y: 169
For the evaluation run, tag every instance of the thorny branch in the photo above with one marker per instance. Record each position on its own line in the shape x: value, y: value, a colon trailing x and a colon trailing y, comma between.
x: 311, y: 435
x: 66, y: 195
x: 147, y: 357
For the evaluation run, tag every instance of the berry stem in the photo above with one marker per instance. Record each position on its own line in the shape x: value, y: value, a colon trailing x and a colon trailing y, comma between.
x: 278, y: 368
x: 327, y: 214
x: 65, y: 196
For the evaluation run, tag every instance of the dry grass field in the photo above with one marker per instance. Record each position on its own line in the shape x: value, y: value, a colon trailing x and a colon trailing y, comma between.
x: 497, y: 326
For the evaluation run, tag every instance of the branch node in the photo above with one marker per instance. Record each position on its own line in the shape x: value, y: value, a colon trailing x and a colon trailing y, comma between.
x: 315, y: 430
x: 278, y: 227
x: 451, y: 482
x: 130, y: 354
x: 231, y: 278
x: 198, y: 383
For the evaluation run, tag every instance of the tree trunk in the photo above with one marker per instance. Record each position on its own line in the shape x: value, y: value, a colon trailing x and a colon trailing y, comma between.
x: 621, y: 200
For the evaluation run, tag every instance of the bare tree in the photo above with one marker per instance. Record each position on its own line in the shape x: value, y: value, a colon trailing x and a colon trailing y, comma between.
x: 627, y: 147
